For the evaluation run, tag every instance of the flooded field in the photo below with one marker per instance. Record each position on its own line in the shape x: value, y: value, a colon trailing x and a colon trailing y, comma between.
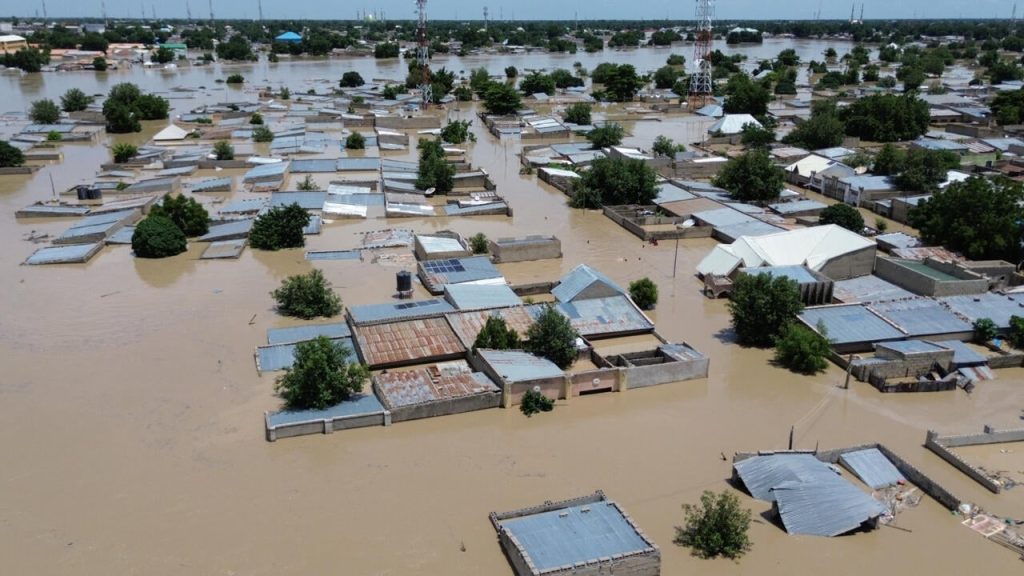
x: 132, y: 413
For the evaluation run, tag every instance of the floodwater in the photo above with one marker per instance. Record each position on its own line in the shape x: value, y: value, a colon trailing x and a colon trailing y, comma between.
x: 132, y: 414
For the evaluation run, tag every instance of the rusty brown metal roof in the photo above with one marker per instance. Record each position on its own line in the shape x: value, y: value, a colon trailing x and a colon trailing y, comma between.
x: 435, y: 383
x: 409, y: 342
x: 935, y: 252
x: 467, y: 325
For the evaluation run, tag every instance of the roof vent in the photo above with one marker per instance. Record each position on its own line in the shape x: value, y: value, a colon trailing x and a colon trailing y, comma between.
x: 585, y: 509
x: 563, y: 514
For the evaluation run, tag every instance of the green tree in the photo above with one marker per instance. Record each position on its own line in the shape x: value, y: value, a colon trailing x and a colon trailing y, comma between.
x: 321, y: 376
x: 745, y: 96
x: 676, y: 60
x: 537, y: 82
x: 889, y: 161
x: 480, y: 81
x: 823, y: 129
x: 534, y: 402
x: 666, y: 77
x: 188, y: 215
x: 54, y: 136
x: 126, y: 105
x: 44, y: 112
x: 496, y: 335
x: 262, y: 134
x: 717, y: 526
x: 761, y: 305
x: 355, y: 141
x: 565, y: 79
x: 886, y: 117
x: 99, y: 64
x: 843, y: 215
x: 308, y: 184
x: 802, y: 350
x: 644, y: 293
x: 158, y: 237
x: 123, y: 152
x: 501, y: 99
x: 256, y: 119
x: 236, y: 48
x: 511, y: 72
x: 280, y: 227
x: 751, y: 177
x: 622, y: 83
x: 163, y: 55
x: 924, y: 170
x: 1016, y: 333
x: 235, y: 79
x: 456, y: 131
x: 27, y: 59
x: 979, y: 218
x: 615, y: 181
x: 307, y: 296
x: 985, y: 330
x: 579, y: 114
x: 351, y: 79
x: 664, y: 146
x: 553, y: 337
x: 223, y: 150
x: 74, y: 100
x: 610, y: 134
x: 1008, y: 107
x: 434, y: 169
x: 385, y: 50
x: 478, y: 243
x: 10, y: 156
x: 755, y: 136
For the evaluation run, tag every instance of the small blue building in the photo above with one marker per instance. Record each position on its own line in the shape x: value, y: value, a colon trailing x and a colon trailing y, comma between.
x: 289, y: 37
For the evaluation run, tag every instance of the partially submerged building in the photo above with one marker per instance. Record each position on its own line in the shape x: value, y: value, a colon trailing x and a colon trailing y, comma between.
x: 436, y: 390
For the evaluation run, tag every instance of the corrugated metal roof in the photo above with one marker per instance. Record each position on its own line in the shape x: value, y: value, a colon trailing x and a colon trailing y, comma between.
x: 389, y: 238
x: 997, y: 308
x: 872, y: 467
x: 358, y: 164
x: 266, y: 172
x: 467, y: 325
x: 669, y: 192
x: 798, y: 274
x: 797, y: 206
x: 122, y: 236
x: 898, y: 240
x: 228, y: 231
x: 851, y: 324
x: 356, y: 406
x: 98, y: 227
x: 478, y: 209
x: 281, y: 356
x: 824, y: 509
x: 436, y: 244
x: 868, y: 289
x: 43, y: 210
x: 921, y: 317
x: 760, y: 474
x: 911, y: 347
x: 307, y: 332
x: 224, y: 249
x: 152, y: 185
x: 963, y: 354
x: 518, y: 366
x: 580, y: 279
x: 605, y: 316
x: 749, y: 229
x: 408, y: 342
x: 477, y: 297
x: 313, y: 200
x: 213, y: 184
x: 448, y: 381
x: 437, y: 273
x: 404, y: 310
x: 64, y: 254
x: 333, y: 255
x: 244, y: 206
x: 575, y: 534
x: 313, y: 165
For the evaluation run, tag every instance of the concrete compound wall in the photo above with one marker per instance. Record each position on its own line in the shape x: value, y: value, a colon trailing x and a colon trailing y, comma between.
x: 933, y: 443
x: 910, y: 365
x: 925, y: 285
x: 327, y: 426
x: 446, y: 407
x: 414, y: 123
x: 665, y: 373
x: 540, y: 248
x: 854, y: 265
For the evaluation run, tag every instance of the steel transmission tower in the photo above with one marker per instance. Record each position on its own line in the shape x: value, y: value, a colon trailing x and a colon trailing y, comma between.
x: 701, y: 88
x: 423, y: 54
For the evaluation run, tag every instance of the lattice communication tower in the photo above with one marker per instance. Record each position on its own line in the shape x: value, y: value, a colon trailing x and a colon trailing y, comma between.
x: 423, y: 54
x: 701, y: 88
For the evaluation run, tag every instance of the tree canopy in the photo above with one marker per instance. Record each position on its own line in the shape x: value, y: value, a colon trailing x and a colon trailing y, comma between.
x: 307, y: 296
x: 751, y: 177
x: 843, y: 215
x: 717, y: 526
x: 761, y: 305
x: 746, y: 96
x: 620, y: 81
x: 158, y: 237
x: 823, y: 129
x: 126, y: 105
x: 802, y: 350
x: 615, y: 181
x: 321, y: 376
x: 496, y: 335
x: 44, y: 111
x: 501, y: 99
x: 610, y: 134
x: 74, y: 100
x: 979, y: 218
x: 10, y: 156
x: 553, y: 337
x: 578, y: 113
x: 434, y: 170
x: 280, y: 227
x: 188, y: 215
x: 644, y: 293
x: 886, y: 117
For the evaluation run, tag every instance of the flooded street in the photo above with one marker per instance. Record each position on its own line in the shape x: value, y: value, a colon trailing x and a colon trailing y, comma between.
x: 132, y: 413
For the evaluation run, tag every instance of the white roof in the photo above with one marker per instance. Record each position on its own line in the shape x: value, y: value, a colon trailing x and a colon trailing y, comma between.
x: 812, y: 164
x: 11, y: 38
x: 813, y: 247
x: 954, y: 176
x: 172, y: 132
x: 734, y: 123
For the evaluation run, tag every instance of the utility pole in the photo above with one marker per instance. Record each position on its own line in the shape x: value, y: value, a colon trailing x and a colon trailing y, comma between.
x: 211, y: 12
x: 861, y: 12
x: 423, y: 54
x: 45, y: 17
x: 103, y: 8
x: 485, y: 18
x: 188, y: 11
x: 701, y: 88
x: 259, y: 4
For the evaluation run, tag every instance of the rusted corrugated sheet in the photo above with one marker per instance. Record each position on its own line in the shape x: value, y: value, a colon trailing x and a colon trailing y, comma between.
x: 409, y: 342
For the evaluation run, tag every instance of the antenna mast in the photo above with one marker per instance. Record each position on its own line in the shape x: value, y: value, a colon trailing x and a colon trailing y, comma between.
x: 259, y: 4
x: 423, y: 54
x: 103, y: 8
x: 45, y: 17
x: 700, y: 83
x: 485, y: 17
x: 211, y: 12
x: 188, y: 11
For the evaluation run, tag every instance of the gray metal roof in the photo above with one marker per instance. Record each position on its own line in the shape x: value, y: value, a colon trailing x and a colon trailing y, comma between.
x: 753, y: 227
x: 333, y: 255
x: 314, y: 165
x: 872, y: 467
x: 723, y: 217
x: 399, y: 311
x: 98, y: 227
x: 213, y: 184
x: 481, y: 209
x: 824, y: 508
x: 579, y: 279
x: 851, y: 324
x: 223, y: 249
x: 244, y: 206
x: 798, y: 274
x: 313, y: 200
x: 605, y: 316
x: 266, y: 172
x: 280, y: 356
x: 912, y: 346
x: 921, y: 317
x: 358, y: 405
x: 357, y: 164
x: 567, y: 536
x: 479, y: 297
x: 761, y: 474
x: 898, y: 240
x: 228, y: 231
x: 963, y: 354
x: 518, y: 366
x: 307, y: 332
x: 797, y: 206
x: 44, y: 210
x: 867, y: 182
x: 399, y: 165
x: 64, y: 254
x: 152, y: 185
x: 314, y: 226
x: 122, y: 236
x: 437, y: 273
x: 669, y: 192
x: 868, y: 289
x: 995, y: 307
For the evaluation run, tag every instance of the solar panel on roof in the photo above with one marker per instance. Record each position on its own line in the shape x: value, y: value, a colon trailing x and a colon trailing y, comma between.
x: 444, y: 266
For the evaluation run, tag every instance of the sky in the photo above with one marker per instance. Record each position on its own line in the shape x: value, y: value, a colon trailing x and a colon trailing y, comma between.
x: 519, y: 9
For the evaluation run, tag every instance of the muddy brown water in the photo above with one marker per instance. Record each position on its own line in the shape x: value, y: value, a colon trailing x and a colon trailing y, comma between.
x: 132, y: 417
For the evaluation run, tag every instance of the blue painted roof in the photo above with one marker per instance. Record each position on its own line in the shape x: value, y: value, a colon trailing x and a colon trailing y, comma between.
x: 307, y: 200
x: 850, y: 324
x: 872, y: 467
x: 358, y: 405
x: 64, y: 254
x: 921, y: 317
x: 567, y: 536
x: 282, y: 356
x: 288, y: 37
x: 798, y: 274
x: 579, y: 279
x: 399, y: 311
x: 307, y: 332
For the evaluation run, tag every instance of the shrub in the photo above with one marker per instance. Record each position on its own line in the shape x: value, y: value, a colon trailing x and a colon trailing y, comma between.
x: 501, y: 99
x: 881, y: 225
x: 717, y: 526
x: 751, y: 177
x: 308, y: 184
x: 533, y: 402
x: 188, y: 215
x: 496, y: 335
x: 223, y: 150
x: 614, y: 182
x: 74, y: 100
x: 307, y: 296
x: 235, y: 79
x: 843, y: 215
x: 456, y: 132
x: 761, y: 305
x: 280, y: 227
x: 644, y: 293
x: 10, y: 156
x: 579, y: 113
x: 256, y: 119
x: 99, y: 64
x: 664, y: 146
x: 124, y: 152
x: 321, y: 376
x: 606, y: 136
x: 44, y: 112
x: 553, y: 337
x: 262, y: 134
x: 158, y: 237
x: 355, y: 141
x: 434, y: 170
x: 802, y: 350
x: 511, y: 72
x: 286, y: 94
x: 53, y: 136
x: 985, y: 330
x: 1016, y: 335
x: 351, y: 79
x: 478, y: 243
